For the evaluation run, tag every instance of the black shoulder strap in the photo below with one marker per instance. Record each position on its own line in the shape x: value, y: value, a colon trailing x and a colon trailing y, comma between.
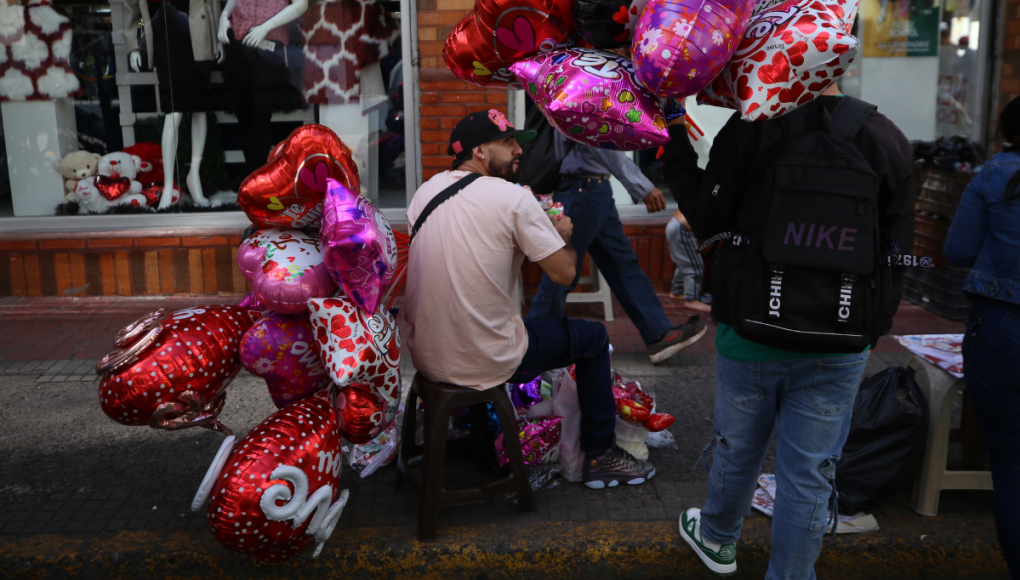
x: 444, y: 195
x: 848, y: 117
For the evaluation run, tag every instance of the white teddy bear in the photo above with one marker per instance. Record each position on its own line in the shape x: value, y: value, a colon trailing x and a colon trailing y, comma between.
x: 115, y: 184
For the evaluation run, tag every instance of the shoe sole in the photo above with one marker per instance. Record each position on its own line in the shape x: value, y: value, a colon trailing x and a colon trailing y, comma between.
x: 616, y: 482
x: 720, y: 569
x: 670, y: 351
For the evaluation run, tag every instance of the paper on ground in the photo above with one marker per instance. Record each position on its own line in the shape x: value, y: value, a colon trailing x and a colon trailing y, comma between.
x: 764, y: 501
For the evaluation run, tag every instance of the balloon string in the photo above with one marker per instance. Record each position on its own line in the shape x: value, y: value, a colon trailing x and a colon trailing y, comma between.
x: 397, y: 283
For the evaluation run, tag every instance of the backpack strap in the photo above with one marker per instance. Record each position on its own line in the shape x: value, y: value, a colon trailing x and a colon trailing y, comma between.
x: 848, y: 117
x: 444, y: 195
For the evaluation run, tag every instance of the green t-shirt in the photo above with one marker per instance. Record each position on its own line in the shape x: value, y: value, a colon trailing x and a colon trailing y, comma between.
x: 735, y: 347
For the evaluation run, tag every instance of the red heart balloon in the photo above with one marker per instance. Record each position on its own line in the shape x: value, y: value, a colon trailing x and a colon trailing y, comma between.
x: 278, y: 491
x: 171, y: 371
x: 360, y: 414
x: 289, y: 189
x: 498, y: 33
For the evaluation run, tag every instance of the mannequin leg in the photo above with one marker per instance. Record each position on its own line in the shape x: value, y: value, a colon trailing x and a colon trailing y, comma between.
x: 199, y: 128
x: 170, y: 128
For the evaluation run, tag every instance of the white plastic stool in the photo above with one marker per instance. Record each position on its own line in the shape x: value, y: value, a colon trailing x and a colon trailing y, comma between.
x: 601, y: 293
x: 934, y: 477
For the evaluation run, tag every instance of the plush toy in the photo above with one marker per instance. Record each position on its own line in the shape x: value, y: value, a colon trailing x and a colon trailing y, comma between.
x: 151, y: 155
x: 115, y: 184
x: 76, y: 166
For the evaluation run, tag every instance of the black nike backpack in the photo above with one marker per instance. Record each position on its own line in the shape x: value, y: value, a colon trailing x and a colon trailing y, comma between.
x: 808, y: 252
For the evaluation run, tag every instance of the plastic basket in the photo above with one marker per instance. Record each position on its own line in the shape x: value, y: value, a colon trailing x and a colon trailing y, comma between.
x: 938, y: 290
x: 938, y: 191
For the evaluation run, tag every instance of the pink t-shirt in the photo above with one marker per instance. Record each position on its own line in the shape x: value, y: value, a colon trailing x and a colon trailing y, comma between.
x: 466, y: 326
x: 251, y: 13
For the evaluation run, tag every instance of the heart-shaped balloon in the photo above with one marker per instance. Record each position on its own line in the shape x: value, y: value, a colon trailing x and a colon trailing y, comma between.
x: 288, y: 190
x: 360, y: 414
x: 358, y: 245
x: 680, y: 46
x: 607, y: 23
x: 790, y: 53
x: 280, y: 348
x: 171, y: 371
x: 357, y: 347
x: 277, y: 492
x: 591, y: 96
x: 285, y: 269
x: 498, y: 33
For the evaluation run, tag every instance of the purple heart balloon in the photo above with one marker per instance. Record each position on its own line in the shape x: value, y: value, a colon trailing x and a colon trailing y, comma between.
x: 281, y: 349
x: 358, y: 246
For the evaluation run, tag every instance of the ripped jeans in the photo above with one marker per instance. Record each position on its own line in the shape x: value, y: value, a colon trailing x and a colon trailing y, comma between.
x: 555, y: 344
x: 808, y: 403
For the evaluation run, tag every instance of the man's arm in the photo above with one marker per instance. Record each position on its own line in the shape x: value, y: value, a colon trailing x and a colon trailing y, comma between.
x: 561, y: 266
x: 709, y: 198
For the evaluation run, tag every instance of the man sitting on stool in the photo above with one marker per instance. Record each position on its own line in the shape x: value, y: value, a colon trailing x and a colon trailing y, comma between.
x: 466, y: 326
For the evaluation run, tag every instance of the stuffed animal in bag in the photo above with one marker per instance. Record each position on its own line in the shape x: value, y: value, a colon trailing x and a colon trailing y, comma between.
x: 115, y: 184
x: 76, y: 166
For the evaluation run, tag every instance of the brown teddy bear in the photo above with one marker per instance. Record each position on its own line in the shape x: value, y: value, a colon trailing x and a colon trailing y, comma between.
x: 76, y: 166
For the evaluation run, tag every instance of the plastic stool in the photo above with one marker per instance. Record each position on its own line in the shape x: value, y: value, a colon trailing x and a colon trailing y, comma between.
x: 934, y: 477
x: 438, y: 400
x: 601, y: 294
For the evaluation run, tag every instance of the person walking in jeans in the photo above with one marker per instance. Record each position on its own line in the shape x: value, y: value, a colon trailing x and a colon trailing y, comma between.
x: 690, y: 268
x: 463, y: 263
x: 985, y: 237
x: 806, y: 399
x: 587, y: 197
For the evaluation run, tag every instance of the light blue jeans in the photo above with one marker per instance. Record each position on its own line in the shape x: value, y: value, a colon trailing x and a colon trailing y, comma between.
x: 808, y: 403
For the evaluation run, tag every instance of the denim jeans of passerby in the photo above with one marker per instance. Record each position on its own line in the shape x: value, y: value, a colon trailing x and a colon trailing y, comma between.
x: 555, y: 344
x: 991, y: 364
x: 599, y: 232
x: 807, y: 403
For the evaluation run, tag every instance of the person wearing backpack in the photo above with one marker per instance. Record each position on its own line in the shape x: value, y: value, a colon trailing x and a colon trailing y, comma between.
x: 816, y: 210
x: 985, y: 237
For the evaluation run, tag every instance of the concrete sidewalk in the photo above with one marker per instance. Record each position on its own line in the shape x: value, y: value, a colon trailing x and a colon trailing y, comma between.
x: 81, y: 496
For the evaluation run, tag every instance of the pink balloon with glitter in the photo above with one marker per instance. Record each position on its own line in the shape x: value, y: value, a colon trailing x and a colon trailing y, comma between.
x: 540, y: 441
x: 281, y: 349
x: 592, y: 97
x: 285, y: 269
x: 358, y: 245
x: 680, y: 46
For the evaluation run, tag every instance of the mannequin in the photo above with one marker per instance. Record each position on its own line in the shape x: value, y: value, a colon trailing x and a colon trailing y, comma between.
x: 181, y: 47
x: 258, y: 66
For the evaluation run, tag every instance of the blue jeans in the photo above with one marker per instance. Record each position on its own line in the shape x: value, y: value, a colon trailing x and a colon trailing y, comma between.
x: 991, y: 363
x: 808, y: 403
x: 555, y: 344
x: 599, y: 232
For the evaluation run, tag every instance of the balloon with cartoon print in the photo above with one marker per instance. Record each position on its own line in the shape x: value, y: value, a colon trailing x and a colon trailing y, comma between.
x: 358, y: 246
x: 791, y: 52
x: 280, y: 348
x: 285, y: 269
x: 498, y: 33
x: 591, y: 96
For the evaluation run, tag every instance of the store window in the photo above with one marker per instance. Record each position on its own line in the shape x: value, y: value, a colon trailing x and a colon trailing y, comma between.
x: 165, y: 106
x: 960, y: 70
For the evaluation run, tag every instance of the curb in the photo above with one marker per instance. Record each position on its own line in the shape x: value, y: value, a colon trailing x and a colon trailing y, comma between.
x: 957, y: 550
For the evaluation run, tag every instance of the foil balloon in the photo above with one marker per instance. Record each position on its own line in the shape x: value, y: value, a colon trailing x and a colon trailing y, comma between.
x: 498, y: 33
x: 680, y: 46
x: 591, y: 96
x: 540, y: 441
x: 791, y: 52
x: 280, y: 348
x: 525, y: 395
x: 285, y: 269
x: 360, y: 415
x: 357, y: 347
x: 607, y: 23
x: 171, y: 371
x: 277, y: 492
x: 288, y: 190
x: 358, y: 246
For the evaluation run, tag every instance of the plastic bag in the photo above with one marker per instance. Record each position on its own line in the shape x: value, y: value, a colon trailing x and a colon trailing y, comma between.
x: 565, y: 405
x: 631, y: 438
x: 886, y: 440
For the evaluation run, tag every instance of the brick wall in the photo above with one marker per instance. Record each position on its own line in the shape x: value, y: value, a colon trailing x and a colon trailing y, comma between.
x: 445, y: 99
x: 1009, y: 70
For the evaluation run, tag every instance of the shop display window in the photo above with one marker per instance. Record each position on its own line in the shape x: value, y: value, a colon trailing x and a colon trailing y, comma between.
x: 149, y: 107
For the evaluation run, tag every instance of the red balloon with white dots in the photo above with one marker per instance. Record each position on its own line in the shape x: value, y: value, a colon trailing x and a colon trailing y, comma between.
x: 171, y: 371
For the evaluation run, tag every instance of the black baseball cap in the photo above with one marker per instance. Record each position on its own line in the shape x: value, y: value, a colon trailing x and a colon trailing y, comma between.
x: 481, y: 127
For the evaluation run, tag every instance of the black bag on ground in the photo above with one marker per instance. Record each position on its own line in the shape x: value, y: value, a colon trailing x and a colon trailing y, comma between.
x: 886, y: 441
x: 539, y: 168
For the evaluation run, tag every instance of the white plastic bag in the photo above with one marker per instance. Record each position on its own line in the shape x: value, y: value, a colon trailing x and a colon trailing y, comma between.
x: 631, y: 438
x: 565, y: 405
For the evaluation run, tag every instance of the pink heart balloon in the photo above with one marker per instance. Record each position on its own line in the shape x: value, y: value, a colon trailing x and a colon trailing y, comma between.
x: 285, y: 269
x: 281, y: 349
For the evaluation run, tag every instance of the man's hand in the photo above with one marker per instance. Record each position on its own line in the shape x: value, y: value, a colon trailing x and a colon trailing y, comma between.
x: 564, y: 227
x: 655, y: 201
